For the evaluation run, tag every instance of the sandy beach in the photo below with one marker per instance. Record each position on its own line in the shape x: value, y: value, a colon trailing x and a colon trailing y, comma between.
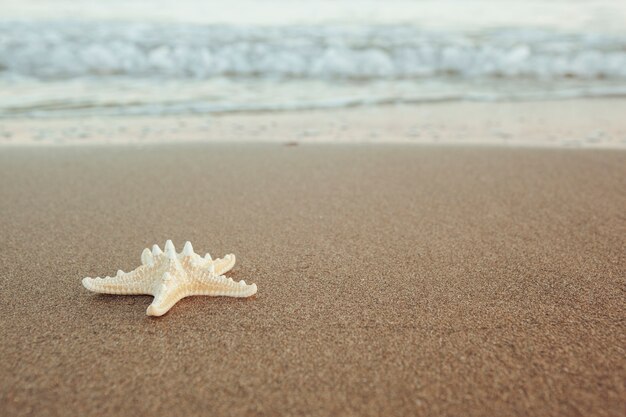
x: 430, y: 197
x: 393, y: 280
x: 582, y: 123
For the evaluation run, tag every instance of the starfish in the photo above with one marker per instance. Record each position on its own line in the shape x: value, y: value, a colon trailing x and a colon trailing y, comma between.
x: 169, y: 277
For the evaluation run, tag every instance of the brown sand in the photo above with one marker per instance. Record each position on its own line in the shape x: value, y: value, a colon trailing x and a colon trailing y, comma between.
x: 392, y: 281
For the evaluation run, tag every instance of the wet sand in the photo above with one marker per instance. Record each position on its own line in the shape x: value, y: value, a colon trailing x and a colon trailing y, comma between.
x: 583, y: 123
x: 393, y: 280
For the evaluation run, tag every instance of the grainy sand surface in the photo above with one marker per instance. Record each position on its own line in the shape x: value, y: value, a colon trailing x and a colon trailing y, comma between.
x: 393, y: 280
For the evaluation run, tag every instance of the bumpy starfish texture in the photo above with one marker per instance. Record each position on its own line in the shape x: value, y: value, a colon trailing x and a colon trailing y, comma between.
x: 171, y: 276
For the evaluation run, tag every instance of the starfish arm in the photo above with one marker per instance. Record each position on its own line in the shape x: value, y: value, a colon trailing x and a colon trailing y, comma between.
x: 130, y: 283
x: 225, y: 264
x: 165, y: 296
x: 221, y: 265
x: 206, y: 283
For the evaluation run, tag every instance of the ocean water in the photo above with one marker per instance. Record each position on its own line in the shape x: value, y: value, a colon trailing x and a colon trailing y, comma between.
x: 67, y: 58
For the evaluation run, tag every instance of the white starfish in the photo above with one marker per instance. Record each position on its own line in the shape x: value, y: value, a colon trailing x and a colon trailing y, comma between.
x: 170, y: 277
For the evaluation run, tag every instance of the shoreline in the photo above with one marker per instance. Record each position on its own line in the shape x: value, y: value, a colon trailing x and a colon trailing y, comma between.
x: 579, y: 123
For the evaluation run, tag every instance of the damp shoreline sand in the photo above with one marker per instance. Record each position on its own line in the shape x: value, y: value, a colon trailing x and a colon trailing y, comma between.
x: 393, y: 280
x: 578, y: 123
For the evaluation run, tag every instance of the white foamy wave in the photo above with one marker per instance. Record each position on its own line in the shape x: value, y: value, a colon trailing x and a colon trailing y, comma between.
x: 66, y: 50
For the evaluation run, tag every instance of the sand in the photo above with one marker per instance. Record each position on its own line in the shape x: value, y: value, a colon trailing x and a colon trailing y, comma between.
x: 582, y: 123
x: 393, y: 280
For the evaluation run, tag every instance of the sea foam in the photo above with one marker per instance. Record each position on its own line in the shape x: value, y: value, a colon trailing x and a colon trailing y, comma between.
x: 60, y: 50
x: 60, y: 67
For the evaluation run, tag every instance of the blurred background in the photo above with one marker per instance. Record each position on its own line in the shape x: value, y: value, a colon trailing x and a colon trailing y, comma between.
x: 152, y: 57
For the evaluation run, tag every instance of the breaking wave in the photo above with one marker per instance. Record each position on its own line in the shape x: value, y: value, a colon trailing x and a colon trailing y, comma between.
x: 62, y: 50
x: 63, y: 67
